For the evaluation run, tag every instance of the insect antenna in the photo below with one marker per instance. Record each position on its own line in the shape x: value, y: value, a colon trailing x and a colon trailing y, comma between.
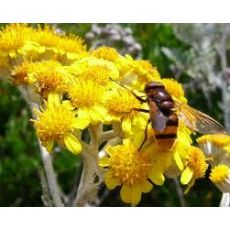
x: 136, y: 96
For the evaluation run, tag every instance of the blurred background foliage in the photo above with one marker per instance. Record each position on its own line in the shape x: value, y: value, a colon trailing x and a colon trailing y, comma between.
x: 165, y: 48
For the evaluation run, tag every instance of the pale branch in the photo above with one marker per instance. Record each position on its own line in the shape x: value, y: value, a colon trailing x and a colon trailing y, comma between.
x: 179, y: 192
x: 53, y: 186
x: 225, y: 201
x: 88, y: 186
x: 51, y: 176
x: 107, y: 136
x: 46, y: 199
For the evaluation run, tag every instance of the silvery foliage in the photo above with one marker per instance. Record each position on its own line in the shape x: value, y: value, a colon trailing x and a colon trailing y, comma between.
x: 206, y: 63
x: 200, y: 61
x: 114, y: 35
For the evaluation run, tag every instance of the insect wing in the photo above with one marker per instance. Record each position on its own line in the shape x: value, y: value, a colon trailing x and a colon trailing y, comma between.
x: 159, y: 122
x: 196, y: 120
x: 158, y: 119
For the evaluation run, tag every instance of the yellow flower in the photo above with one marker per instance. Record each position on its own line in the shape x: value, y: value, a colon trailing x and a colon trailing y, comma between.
x: 58, y: 122
x: 174, y: 88
x: 220, y: 176
x: 130, y: 169
x: 13, y: 38
x: 48, y: 76
x: 121, y: 104
x: 141, y: 72
x: 111, y: 54
x: 87, y: 96
x: 196, y: 167
x: 71, y: 46
x: 106, y: 53
x: 217, y: 147
x: 167, y: 161
x: 19, y: 73
x: 46, y: 37
x: 97, y: 70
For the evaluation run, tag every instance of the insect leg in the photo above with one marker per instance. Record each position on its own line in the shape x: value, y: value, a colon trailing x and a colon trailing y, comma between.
x: 141, y: 110
x: 136, y: 96
x: 146, y: 135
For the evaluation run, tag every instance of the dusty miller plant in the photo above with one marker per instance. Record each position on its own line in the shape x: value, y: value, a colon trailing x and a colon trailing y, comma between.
x: 206, y: 63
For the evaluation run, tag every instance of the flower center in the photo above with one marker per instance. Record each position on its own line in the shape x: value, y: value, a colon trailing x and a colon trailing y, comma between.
x: 121, y: 102
x: 54, y: 122
x: 99, y: 74
x: 129, y: 166
x: 85, y: 93
x: 219, y: 173
x: 196, y: 161
x: 106, y: 53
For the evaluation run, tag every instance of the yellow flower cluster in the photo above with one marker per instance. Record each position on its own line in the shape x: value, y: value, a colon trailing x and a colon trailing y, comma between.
x: 76, y: 89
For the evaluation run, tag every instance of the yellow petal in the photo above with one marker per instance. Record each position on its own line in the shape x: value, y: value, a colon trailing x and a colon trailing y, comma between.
x: 13, y: 54
x: 146, y: 186
x: 67, y: 104
x: 83, y: 114
x: 53, y: 99
x: 81, y: 123
x: 135, y: 194
x: 95, y: 115
x: 126, y: 193
x: 156, y: 177
x: 186, y: 176
x: 72, y: 143
x: 110, y: 181
x: 178, y: 161
x: 126, y: 126
x: 104, y: 162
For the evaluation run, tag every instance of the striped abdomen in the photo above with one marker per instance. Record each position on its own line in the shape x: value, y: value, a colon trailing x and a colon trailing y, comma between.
x: 166, y: 139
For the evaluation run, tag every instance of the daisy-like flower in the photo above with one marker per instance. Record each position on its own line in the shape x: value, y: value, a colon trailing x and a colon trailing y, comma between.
x: 71, y: 46
x: 48, y: 76
x: 58, y: 123
x: 196, y: 167
x: 13, y: 39
x: 142, y: 72
x: 216, y: 146
x: 220, y: 176
x: 86, y: 97
x: 167, y: 161
x: 111, y: 54
x: 94, y: 69
x: 19, y: 73
x: 130, y: 169
x: 121, y: 104
x: 106, y: 53
x: 174, y: 88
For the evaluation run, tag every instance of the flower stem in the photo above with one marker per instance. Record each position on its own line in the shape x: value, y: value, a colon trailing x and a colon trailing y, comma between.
x: 88, y: 187
x: 51, y: 176
x: 46, y: 158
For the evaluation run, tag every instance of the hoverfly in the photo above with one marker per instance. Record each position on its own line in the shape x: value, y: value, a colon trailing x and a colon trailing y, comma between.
x: 165, y: 113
